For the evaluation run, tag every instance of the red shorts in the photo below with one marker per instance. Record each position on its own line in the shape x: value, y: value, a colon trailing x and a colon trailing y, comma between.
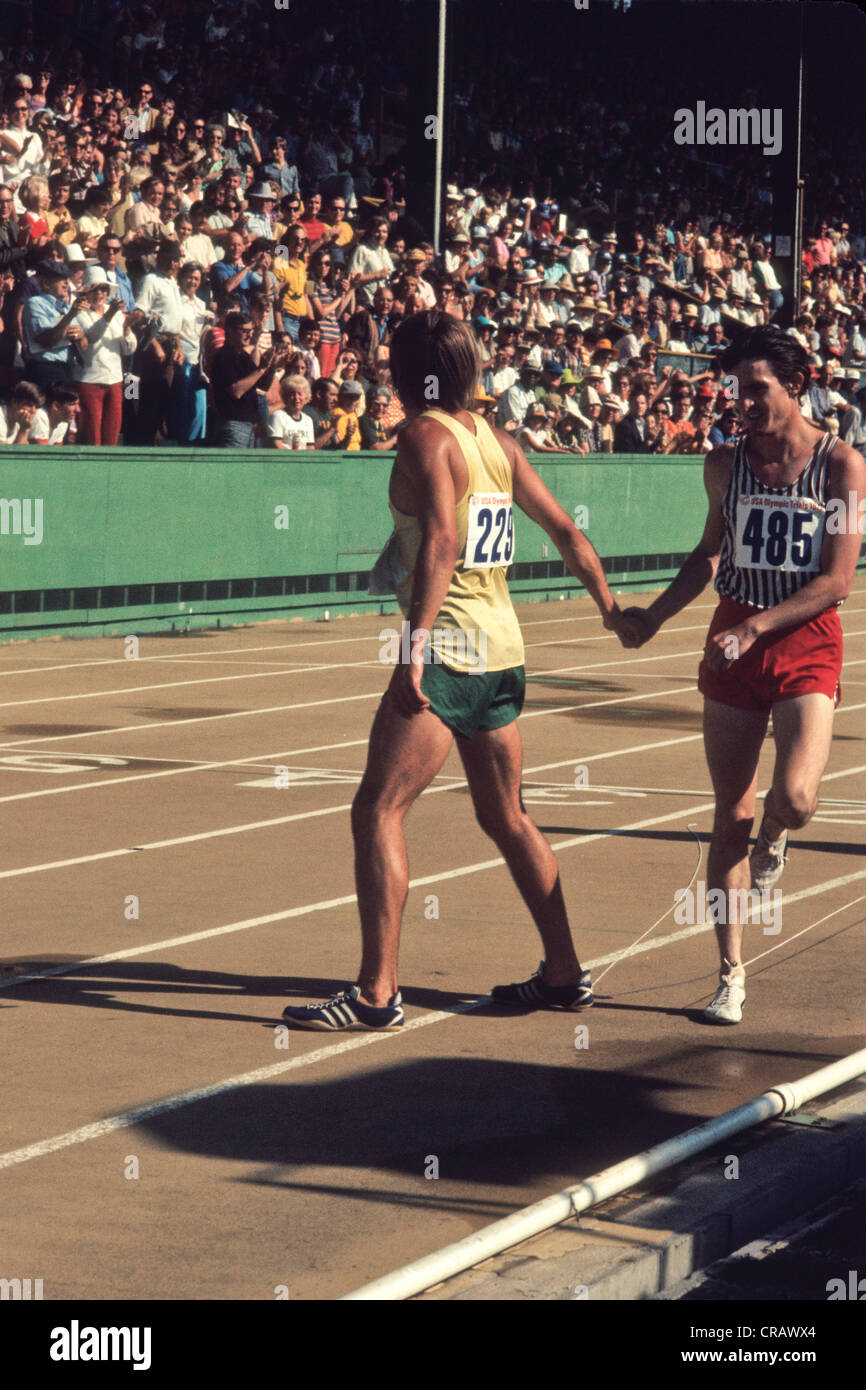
x: 780, y: 665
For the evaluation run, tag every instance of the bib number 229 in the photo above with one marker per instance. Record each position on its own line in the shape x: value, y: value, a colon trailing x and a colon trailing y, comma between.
x: 490, y: 532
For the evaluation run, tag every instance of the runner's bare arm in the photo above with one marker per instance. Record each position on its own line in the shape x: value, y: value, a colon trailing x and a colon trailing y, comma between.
x: 840, y: 550
x: 700, y: 568
x: 579, y: 556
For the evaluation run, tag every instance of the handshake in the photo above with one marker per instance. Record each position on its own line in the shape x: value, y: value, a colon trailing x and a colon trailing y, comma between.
x: 633, y: 627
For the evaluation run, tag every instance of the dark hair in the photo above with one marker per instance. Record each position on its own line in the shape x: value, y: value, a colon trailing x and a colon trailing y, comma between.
x: 236, y: 319
x: 26, y: 393
x: 432, y: 348
x: 61, y: 393
x: 774, y: 346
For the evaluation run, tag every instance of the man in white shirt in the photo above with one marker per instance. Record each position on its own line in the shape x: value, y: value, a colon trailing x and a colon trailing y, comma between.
x: 504, y: 374
x: 371, y: 261
x: 54, y: 423
x: 159, y: 296
x: 199, y: 246
x: 578, y: 258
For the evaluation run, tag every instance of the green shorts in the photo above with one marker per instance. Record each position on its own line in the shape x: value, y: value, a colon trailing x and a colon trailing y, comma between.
x: 472, y: 704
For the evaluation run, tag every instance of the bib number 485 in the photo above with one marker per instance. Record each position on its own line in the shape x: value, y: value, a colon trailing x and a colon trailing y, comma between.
x: 785, y: 542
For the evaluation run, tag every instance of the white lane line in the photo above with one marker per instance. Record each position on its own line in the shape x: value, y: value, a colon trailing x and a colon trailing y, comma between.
x: 275, y: 646
x: 84, y: 1133
x: 326, y: 642
x: 177, y: 685
x: 452, y: 785
x: 481, y: 866
x: 196, y: 719
x: 286, y: 709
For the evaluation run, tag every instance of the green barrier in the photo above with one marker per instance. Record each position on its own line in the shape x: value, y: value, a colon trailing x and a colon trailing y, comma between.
x: 98, y: 541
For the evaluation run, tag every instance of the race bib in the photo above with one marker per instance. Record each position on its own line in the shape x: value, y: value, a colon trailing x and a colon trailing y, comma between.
x: 779, y: 533
x: 490, y: 531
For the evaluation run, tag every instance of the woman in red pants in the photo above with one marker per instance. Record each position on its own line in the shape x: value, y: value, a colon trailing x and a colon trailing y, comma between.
x: 108, y: 337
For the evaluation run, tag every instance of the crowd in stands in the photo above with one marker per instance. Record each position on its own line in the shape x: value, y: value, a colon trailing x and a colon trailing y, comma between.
x: 182, y: 263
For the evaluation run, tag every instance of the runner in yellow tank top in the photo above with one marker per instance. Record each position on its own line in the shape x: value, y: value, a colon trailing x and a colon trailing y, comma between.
x: 454, y: 483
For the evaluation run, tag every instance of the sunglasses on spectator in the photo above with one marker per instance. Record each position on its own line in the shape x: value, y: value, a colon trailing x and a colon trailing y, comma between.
x: 20, y: 108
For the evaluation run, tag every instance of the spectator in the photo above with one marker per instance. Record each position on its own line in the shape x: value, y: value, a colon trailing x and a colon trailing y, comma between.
x: 679, y: 428
x: 632, y: 434
x: 108, y: 252
x: 279, y: 171
x: 347, y: 433
x: 259, y: 221
x: 159, y: 296
x: 591, y: 436
x: 21, y: 149
x: 17, y: 414
x: 233, y: 275
x: 534, y: 437
x: 819, y: 394
x: 370, y: 260
x: 188, y: 404
x: 309, y: 346
x: 35, y: 197
x: 49, y: 325
x: 375, y: 433
x: 108, y: 338
x: 61, y: 224
x: 55, y: 423
x: 291, y: 272
x: 726, y: 428
x: 329, y: 301
x: 515, y: 402
x: 92, y: 225
x: 698, y: 440
x: 290, y: 427
x: 235, y: 376
x: 322, y: 412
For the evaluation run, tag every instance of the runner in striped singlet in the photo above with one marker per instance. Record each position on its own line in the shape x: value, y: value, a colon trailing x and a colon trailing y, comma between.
x: 782, y: 540
x: 453, y: 486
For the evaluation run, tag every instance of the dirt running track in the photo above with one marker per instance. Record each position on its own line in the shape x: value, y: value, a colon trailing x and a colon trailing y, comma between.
x: 177, y: 865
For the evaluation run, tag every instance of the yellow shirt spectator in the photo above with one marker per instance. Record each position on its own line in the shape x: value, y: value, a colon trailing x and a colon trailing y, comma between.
x: 294, y: 277
x: 348, y: 435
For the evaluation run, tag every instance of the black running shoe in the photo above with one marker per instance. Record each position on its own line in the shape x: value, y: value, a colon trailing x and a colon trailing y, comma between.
x: 535, y: 994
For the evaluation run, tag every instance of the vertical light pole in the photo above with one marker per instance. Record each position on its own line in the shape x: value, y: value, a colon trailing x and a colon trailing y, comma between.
x: 440, y: 124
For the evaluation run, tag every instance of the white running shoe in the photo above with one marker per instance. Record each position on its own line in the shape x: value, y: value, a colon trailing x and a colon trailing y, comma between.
x: 767, y: 860
x: 728, y: 1001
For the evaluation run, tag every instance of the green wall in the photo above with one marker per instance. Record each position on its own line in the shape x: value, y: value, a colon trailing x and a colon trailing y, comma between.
x: 136, y: 540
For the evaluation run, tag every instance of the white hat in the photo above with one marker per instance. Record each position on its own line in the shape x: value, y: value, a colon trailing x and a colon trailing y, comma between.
x: 453, y: 192
x: 470, y: 193
x: 95, y: 275
x: 581, y: 234
x: 74, y: 254
x: 534, y: 358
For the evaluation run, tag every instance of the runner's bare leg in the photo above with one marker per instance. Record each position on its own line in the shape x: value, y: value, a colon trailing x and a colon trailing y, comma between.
x: 803, y: 729
x: 732, y: 741
x: 403, y: 758
x: 493, y: 762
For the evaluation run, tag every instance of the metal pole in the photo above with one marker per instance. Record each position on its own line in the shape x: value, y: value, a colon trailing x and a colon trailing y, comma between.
x: 798, y: 218
x: 440, y: 125
x: 529, y: 1221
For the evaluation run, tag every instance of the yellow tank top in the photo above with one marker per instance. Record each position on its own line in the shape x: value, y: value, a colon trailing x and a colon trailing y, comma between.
x: 477, y: 609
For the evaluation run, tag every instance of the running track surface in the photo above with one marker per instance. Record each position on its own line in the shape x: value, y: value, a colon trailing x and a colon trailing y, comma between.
x: 177, y: 865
